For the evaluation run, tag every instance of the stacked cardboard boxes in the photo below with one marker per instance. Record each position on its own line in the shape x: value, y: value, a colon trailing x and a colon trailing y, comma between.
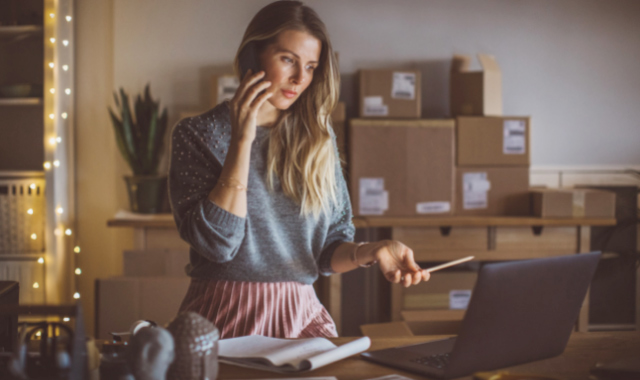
x: 152, y: 288
x: 400, y: 165
x: 492, y: 151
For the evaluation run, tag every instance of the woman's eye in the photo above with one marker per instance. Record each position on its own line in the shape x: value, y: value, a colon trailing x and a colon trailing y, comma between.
x: 287, y: 59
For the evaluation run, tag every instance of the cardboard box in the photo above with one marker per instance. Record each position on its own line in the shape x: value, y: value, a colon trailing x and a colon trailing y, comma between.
x: 401, y: 167
x: 445, y: 290
x: 155, y: 263
x: 338, y: 119
x: 475, y: 92
x: 120, y: 301
x: 492, y: 191
x: 390, y: 94
x: 493, y: 141
x: 573, y: 203
x: 223, y: 87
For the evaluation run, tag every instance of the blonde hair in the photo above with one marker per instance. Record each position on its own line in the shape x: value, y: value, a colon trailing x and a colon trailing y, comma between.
x: 301, y: 151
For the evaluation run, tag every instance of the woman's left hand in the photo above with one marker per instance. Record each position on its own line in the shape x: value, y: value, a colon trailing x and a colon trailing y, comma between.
x: 397, y: 263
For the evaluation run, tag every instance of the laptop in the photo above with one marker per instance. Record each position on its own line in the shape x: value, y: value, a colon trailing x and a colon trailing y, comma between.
x: 520, y: 311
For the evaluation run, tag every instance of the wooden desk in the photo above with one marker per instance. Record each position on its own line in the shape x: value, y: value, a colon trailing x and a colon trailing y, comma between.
x: 581, y: 354
x: 431, y: 238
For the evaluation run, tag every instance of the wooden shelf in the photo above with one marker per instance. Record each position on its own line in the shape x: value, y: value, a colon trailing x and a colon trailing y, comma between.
x: 20, y: 101
x: 128, y: 219
x: 18, y: 32
x: 478, y: 221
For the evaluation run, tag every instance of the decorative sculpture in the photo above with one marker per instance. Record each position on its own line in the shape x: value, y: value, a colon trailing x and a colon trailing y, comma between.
x: 196, y: 348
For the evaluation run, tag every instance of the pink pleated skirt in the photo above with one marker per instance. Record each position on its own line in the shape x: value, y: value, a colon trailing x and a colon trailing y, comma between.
x: 279, y: 310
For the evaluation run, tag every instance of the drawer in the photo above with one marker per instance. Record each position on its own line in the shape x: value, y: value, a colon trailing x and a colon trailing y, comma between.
x: 428, y: 244
x: 524, y: 243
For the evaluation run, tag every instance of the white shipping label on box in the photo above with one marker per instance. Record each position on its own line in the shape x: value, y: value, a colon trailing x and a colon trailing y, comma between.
x: 227, y: 87
x: 404, y: 86
x: 374, y: 200
x: 373, y: 106
x: 475, y: 189
x: 433, y: 207
x: 459, y: 299
x: 515, y: 137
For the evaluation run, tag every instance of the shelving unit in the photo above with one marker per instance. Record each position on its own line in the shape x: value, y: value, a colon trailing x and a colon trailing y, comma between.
x: 22, y: 54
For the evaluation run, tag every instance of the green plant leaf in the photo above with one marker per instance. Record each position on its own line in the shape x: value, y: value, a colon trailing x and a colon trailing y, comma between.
x: 118, y: 129
x: 129, y: 133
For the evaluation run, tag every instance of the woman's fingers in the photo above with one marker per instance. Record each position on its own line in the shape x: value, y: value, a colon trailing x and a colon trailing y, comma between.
x: 259, y: 101
x: 250, y: 96
x: 246, y: 83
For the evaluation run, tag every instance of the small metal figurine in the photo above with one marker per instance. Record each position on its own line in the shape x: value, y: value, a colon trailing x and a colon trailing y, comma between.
x: 196, y: 346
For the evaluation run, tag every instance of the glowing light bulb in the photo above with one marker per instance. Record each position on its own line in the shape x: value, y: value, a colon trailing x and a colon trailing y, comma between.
x: 76, y: 249
x: 52, y: 116
x: 78, y: 271
x: 68, y: 18
x: 53, y: 40
x: 51, y: 65
x: 56, y: 163
x: 59, y: 210
x: 34, y: 236
x: 58, y: 139
x: 76, y: 295
x: 65, y: 42
x: 65, y: 67
x: 52, y: 15
x: 52, y: 141
x: 64, y: 115
x: 66, y: 319
x: 53, y: 91
x: 32, y: 186
x: 30, y: 211
x: 39, y: 333
x: 41, y: 260
x: 67, y: 232
x: 36, y: 285
x: 47, y: 165
x: 67, y: 91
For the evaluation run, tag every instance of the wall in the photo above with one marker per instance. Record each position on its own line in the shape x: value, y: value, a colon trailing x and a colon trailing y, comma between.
x: 571, y: 64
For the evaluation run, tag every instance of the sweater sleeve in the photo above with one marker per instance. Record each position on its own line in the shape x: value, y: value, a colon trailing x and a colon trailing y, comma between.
x: 341, y: 229
x: 213, y: 232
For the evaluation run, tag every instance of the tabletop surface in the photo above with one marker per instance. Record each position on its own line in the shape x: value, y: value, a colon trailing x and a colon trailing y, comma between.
x: 583, y: 351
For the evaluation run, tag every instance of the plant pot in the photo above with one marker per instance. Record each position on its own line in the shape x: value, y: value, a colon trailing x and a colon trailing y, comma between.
x: 146, y: 193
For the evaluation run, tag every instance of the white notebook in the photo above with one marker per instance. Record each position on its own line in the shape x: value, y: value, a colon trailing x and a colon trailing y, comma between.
x: 286, y: 355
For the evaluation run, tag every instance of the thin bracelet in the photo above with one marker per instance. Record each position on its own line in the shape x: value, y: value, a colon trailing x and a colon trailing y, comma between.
x: 354, y: 258
x: 237, y: 186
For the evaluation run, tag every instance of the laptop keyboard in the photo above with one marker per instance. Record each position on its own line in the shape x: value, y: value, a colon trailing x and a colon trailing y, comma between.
x: 438, y: 361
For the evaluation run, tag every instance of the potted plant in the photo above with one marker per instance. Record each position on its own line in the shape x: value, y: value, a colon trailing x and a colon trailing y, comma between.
x: 141, y: 142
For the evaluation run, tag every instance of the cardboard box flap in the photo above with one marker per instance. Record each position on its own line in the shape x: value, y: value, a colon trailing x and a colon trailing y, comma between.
x: 488, y: 63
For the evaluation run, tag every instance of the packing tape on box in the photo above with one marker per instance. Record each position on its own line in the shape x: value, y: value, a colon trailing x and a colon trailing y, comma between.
x: 578, y: 203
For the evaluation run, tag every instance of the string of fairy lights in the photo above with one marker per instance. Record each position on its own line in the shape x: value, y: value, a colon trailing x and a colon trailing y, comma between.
x: 58, y: 106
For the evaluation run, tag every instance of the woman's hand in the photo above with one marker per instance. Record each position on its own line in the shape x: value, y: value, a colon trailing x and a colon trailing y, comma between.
x: 245, y: 105
x: 397, y: 263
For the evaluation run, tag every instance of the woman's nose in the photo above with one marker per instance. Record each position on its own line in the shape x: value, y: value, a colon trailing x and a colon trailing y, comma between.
x: 297, y: 77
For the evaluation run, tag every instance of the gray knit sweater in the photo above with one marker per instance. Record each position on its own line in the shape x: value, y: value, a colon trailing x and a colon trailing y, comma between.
x: 273, y: 243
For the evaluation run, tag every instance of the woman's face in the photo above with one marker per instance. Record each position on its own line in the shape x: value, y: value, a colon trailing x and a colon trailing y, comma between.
x: 289, y: 64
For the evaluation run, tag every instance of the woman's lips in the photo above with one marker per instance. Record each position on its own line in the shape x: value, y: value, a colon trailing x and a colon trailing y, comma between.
x: 289, y: 94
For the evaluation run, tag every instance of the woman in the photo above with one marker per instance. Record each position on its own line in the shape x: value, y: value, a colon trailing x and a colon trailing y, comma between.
x: 257, y: 190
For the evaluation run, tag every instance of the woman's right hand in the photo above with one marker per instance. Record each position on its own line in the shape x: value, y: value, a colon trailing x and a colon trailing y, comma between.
x: 245, y: 105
